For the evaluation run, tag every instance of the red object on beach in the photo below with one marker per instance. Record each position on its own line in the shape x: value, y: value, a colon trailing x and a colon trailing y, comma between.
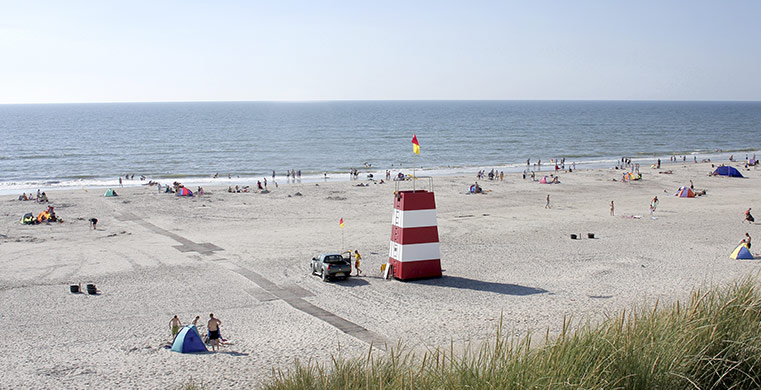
x: 414, y: 252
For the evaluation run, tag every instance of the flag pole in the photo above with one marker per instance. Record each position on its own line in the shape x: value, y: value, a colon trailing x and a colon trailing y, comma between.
x: 414, y: 177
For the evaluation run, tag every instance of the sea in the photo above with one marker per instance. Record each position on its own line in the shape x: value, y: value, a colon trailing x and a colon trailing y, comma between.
x: 62, y: 146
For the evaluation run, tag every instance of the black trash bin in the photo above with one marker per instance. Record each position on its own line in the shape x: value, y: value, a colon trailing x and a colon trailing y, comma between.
x: 74, y: 288
x: 91, y: 289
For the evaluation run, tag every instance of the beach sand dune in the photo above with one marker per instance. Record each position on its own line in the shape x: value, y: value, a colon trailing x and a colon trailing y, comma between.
x: 245, y: 257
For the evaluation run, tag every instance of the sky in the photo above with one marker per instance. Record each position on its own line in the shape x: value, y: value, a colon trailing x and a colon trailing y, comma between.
x: 184, y: 50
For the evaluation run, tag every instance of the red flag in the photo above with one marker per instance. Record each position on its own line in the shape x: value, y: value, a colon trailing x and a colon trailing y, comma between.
x: 341, y: 222
x: 415, y: 145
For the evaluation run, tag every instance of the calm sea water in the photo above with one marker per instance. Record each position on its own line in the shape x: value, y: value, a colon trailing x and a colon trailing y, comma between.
x: 93, y: 144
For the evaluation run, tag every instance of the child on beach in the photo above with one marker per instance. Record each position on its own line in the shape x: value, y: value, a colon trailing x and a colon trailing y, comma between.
x: 612, y: 208
x: 175, y: 324
x: 547, y: 206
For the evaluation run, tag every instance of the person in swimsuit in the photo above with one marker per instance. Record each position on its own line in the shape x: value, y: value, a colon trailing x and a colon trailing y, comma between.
x: 175, y: 324
x: 749, y: 217
x: 213, y: 327
x: 357, y: 258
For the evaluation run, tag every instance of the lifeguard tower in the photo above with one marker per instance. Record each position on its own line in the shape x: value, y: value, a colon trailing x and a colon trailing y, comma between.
x: 414, y: 252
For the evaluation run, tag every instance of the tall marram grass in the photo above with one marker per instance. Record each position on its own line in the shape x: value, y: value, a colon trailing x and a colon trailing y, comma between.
x: 714, y: 342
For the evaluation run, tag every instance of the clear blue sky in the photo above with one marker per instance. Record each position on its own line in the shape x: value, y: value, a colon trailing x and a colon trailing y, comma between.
x: 179, y: 50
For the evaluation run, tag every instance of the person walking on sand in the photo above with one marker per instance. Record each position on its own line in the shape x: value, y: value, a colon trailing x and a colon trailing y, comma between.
x: 213, y: 327
x: 195, y: 321
x: 547, y: 206
x: 175, y: 324
x: 357, y: 259
x: 612, y: 209
x: 749, y: 217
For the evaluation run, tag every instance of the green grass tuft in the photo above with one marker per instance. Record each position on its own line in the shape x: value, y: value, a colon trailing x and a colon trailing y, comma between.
x: 712, y: 343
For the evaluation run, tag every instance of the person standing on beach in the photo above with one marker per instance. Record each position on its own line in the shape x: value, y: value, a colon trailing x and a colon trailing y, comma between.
x: 120, y: 182
x: 357, y: 258
x: 547, y: 206
x: 175, y: 324
x: 213, y: 327
x: 612, y: 209
x: 653, y: 205
x: 195, y: 321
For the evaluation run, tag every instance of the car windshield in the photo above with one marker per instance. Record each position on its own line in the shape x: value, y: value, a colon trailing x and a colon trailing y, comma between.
x: 333, y: 259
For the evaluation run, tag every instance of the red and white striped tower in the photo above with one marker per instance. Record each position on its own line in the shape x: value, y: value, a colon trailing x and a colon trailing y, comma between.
x: 414, y: 251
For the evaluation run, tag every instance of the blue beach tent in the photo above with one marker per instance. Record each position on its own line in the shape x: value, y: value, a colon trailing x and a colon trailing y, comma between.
x: 188, y: 340
x: 741, y: 253
x: 727, y: 171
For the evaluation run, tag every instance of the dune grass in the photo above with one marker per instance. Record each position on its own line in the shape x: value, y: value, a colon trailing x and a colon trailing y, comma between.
x: 714, y: 342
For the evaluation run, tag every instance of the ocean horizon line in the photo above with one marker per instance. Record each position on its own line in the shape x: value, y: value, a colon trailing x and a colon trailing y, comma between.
x: 386, y: 100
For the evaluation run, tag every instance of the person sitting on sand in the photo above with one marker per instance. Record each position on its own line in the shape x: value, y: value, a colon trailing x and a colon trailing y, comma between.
x: 94, y: 223
x: 746, y: 241
x: 175, y: 324
x: 213, y: 327
x: 749, y: 217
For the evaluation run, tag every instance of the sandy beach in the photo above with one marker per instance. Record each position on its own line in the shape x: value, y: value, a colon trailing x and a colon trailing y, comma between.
x: 245, y: 257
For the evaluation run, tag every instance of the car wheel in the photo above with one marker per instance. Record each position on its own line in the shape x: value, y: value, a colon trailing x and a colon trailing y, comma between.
x: 324, y: 276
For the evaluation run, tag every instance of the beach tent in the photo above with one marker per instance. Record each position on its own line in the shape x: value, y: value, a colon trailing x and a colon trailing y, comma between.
x: 184, y: 192
x: 685, y: 192
x: 727, y: 171
x: 741, y: 253
x: 27, y: 219
x: 110, y: 192
x: 632, y: 176
x: 543, y: 181
x: 188, y: 341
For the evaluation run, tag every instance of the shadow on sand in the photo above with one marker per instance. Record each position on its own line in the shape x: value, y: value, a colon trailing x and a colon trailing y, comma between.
x: 478, y: 285
x: 232, y: 353
x: 352, y: 281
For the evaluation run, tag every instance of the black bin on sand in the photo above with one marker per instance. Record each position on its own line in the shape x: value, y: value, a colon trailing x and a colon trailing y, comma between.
x: 74, y: 288
x: 573, y: 236
x: 91, y: 289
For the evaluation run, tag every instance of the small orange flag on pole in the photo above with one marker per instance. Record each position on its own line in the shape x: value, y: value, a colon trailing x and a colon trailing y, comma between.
x: 415, y: 145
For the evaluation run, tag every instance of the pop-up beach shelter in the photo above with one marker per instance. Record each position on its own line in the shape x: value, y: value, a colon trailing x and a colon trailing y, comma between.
x: 741, y: 253
x: 727, y: 171
x: 188, y: 340
x: 27, y: 219
x: 184, y: 192
x: 543, y: 180
x: 685, y: 192
x: 109, y: 193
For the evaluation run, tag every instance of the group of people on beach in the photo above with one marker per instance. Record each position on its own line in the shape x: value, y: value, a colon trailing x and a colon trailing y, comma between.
x: 213, y: 336
x: 41, y: 197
